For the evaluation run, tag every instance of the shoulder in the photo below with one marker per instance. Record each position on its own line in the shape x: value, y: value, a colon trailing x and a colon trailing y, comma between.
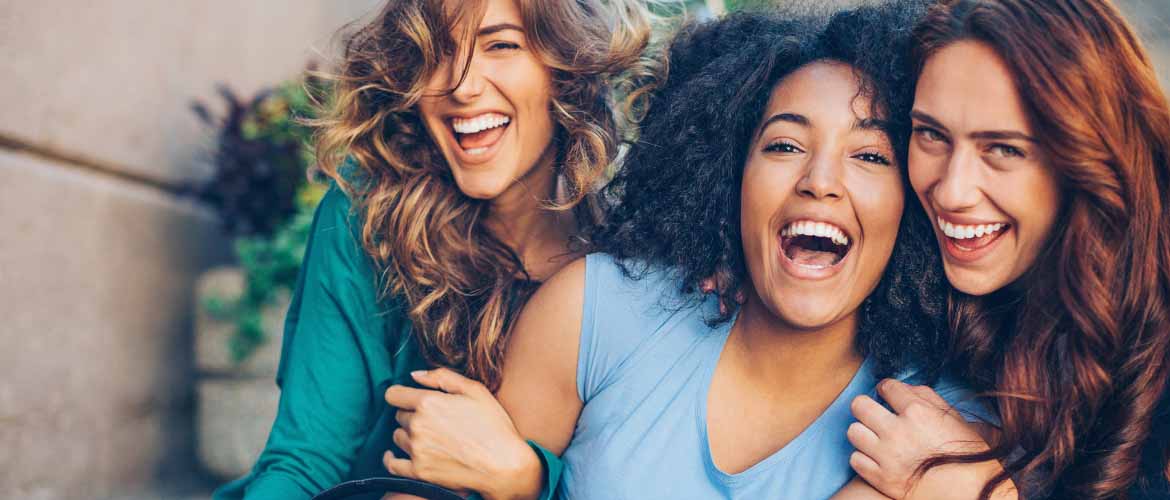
x: 335, y: 235
x: 337, y: 273
x: 337, y: 209
x: 567, y: 283
x: 632, y: 284
x: 598, y: 281
x: 633, y: 313
x: 973, y: 406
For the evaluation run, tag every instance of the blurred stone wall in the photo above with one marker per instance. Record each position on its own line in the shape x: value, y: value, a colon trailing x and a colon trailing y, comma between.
x: 98, y: 252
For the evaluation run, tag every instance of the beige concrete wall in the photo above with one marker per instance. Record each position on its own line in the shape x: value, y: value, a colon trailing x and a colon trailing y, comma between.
x: 95, y: 372
x: 111, y: 81
x: 97, y: 255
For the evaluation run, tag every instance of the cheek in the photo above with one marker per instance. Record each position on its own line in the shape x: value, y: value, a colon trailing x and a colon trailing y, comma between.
x: 923, y: 172
x: 428, y: 113
x: 528, y: 85
x: 762, y: 192
x: 880, y: 211
x: 1039, y: 199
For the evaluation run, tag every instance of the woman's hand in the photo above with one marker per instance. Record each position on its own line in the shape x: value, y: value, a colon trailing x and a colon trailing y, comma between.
x: 891, y: 445
x: 459, y: 437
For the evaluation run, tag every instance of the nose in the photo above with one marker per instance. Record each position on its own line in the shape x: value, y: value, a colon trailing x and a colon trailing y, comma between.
x: 958, y: 188
x: 822, y: 178
x: 467, y: 80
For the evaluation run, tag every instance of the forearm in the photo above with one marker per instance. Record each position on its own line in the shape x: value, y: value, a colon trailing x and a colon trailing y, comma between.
x: 858, y: 489
x: 521, y: 478
x: 962, y: 482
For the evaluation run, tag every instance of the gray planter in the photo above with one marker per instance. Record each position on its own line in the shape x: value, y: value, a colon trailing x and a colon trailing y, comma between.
x: 236, y: 402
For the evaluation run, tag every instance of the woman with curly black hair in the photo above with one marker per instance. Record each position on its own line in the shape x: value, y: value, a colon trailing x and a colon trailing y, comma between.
x: 770, y: 159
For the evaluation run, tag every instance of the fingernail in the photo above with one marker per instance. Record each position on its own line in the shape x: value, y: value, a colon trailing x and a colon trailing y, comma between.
x: 418, y: 373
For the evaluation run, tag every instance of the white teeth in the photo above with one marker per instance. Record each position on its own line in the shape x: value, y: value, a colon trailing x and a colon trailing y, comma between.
x: 479, y: 123
x: 968, y: 232
x: 819, y: 229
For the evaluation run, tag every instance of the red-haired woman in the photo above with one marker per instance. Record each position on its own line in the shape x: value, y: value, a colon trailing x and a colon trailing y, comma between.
x: 1041, y: 150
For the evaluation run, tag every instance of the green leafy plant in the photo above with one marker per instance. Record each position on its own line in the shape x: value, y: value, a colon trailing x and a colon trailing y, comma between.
x: 270, y: 264
x: 261, y: 155
x: 262, y: 194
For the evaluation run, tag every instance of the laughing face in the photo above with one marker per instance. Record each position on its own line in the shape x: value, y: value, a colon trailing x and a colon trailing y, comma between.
x: 979, y: 171
x: 821, y: 199
x: 495, y: 127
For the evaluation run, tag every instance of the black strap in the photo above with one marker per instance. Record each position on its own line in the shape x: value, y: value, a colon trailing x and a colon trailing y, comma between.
x: 383, y: 485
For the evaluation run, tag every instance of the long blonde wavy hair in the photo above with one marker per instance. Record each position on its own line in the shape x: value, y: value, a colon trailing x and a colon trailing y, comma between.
x: 461, y: 284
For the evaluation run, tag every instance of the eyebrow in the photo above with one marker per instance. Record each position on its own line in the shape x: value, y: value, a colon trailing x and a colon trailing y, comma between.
x: 787, y: 117
x: 798, y: 119
x: 994, y: 135
x: 496, y: 28
x: 871, y: 124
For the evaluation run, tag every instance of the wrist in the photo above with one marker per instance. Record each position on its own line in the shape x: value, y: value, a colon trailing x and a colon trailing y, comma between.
x: 518, y: 475
x: 959, y: 481
x: 1005, y: 490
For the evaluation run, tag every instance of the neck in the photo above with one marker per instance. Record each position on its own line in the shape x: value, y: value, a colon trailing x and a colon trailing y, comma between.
x: 775, y: 352
x: 519, y: 217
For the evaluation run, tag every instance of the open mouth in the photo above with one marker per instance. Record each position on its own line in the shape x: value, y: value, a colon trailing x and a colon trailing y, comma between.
x: 969, y: 238
x: 814, y: 245
x: 476, y: 135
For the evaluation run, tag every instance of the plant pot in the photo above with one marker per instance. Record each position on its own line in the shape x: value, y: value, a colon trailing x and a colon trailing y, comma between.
x: 236, y: 402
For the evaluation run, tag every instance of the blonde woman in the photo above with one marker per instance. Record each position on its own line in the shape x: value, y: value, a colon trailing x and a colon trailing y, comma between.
x: 465, y: 140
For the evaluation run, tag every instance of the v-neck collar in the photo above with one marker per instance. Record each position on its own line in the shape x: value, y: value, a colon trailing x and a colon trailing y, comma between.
x: 859, y: 384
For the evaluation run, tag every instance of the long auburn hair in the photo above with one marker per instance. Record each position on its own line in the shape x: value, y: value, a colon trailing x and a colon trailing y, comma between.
x: 1076, y: 352
x: 458, y: 280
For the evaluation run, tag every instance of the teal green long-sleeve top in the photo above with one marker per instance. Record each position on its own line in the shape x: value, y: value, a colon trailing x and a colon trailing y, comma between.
x: 342, y: 349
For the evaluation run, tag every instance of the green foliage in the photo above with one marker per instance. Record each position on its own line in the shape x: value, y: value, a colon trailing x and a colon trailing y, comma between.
x: 261, y: 155
x: 270, y: 265
x: 264, y: 199
x: 733, y: 5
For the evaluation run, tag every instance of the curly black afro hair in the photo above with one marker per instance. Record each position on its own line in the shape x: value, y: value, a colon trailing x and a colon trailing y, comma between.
x: 679, y: 186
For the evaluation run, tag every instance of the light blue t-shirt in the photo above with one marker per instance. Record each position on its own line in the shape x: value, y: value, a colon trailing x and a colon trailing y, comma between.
x: 643, y: 372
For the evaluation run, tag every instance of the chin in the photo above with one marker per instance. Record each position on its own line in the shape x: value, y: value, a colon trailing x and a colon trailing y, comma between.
x: 810, y: 313
x: 973, y: 283
x: 810, y: 320
x: 482, y: 189
x: 483, y: 195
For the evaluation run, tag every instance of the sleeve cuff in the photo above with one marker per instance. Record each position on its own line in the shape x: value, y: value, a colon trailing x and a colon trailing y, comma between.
x: 553, y: 467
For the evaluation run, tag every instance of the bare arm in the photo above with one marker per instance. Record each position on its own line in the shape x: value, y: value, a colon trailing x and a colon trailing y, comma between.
x: 539, y: 390
x: 858, y: 489
x: 458, y: 435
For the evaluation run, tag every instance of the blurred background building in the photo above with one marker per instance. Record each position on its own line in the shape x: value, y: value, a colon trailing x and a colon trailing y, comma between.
x: 101, y: 241
x: 99, y: 248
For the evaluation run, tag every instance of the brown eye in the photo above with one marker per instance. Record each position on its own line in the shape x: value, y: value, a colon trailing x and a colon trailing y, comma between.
x: 782, y: 147
x: 877, y: 158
